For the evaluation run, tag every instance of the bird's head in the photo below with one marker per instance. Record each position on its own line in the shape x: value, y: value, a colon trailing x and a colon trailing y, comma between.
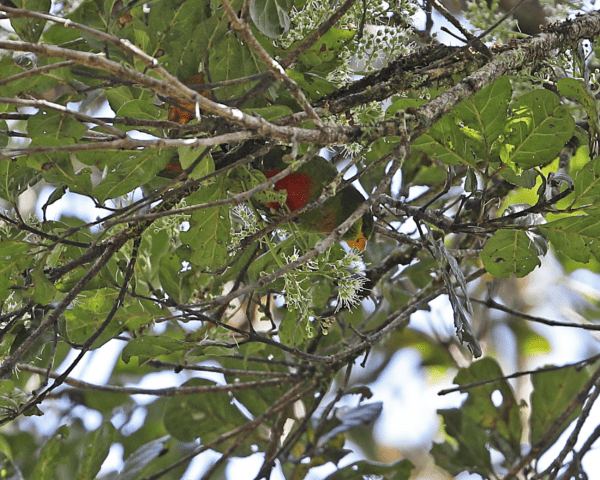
x: 358, y: 234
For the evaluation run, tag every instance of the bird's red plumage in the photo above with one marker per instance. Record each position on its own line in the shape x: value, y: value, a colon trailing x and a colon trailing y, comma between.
x: 298, y: 187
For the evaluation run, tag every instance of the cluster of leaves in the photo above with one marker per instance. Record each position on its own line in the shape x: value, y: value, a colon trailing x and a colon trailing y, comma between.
x: 490, y: 417
x: 194, y: 276
x: 492, y: 138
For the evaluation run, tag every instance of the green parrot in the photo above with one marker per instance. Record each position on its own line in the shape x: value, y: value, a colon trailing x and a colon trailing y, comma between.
x: 306, y: 184
x: 302, y: 186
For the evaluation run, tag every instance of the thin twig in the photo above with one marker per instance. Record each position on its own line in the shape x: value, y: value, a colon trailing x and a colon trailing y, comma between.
x: 300, y: 50
x: 490, y: 303
x: 128, y: 143
x: 121, y: 43
x: 553, y: 368
x: 9, y: 362
x: 295, y: 393
x: 544, y: 442
x: 279, y: 379
x: 45, y: 104
x: 275, y: 68
x: 32, y: 72
x: 175, y: 89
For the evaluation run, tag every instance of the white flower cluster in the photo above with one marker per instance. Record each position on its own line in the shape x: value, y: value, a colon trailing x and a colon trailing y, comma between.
x: 379, y: 36
x: 299, y: 283
x: 304, y: 21
x: 381, y: 44
x: 350, y: 282
x: 482, y: 14
x: 171, y: 223
x: 353, y: 149
x: 297, y: 287
x: 345, y: 272
x: 248, y: 225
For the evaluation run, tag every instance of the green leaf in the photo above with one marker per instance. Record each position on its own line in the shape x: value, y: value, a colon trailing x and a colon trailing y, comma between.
x: 271, y: 16
x: 472, y: 454
x: 38, y: 84
x: 54, y: 197
x: 294, y: 330
x: 314, y: 86
x: 241, y: 179
x: 323, y: 56
x: 209, y: 229
x: 421, y: 273
x: 96, y: 446
x: 552, y: 392
x: 174, y: 281
x: 15, y: 178
x: 183, y: 32
x: 56, y: 125
x: 231, y: 59
x: 432, y: 355
x: 88, y: 313
x: 257, y: 400
x: 57, y: 168
x: 149, y: 347
x: 188, y: 155
x: 529, y: 341
x: 574, y: 88
x: 400, y: 104
x: 13, y: 258
x: 118, y: 96
x: 267, y: 262
x: 56, y: 34
x: 70, y: 279
x: 49, y: 458
x: 587, y: 184
x: 446, y: 142
x: 5, y: 454
x: 537, y: 130
x: 102, y: 15
x: 43, y: 289
x: 18, y: 64
x: 134, y: 172
x: 510, y: 252
x: 30, y: 29
x: 91, y: 309
x: 90, y: 13
x: 102, y: 160
x: 526, y: 179
x: 3, y: 138
x: 445, y: 456
x: 188, y: 417
x: 155, y: 247
x: 484, y: 115
x: 139, y: 108
x: 270, y: 114
x: 133, y: 102
x: 11, y: 398
x: 577, y: 237
x: 500, y: 415
x: 400, y: 470
x: 140, y: 459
